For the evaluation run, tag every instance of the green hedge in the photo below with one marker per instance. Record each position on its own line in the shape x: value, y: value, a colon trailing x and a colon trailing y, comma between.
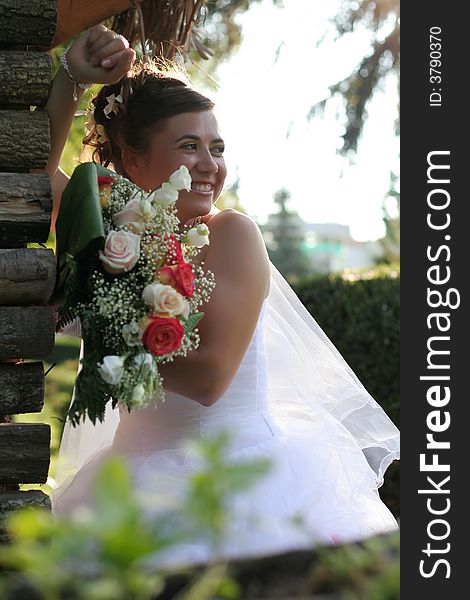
x: 359, y: 311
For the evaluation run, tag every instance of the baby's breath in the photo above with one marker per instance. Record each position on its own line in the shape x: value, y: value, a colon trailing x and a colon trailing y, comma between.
x: 205, y: 284
x: 115, y: 316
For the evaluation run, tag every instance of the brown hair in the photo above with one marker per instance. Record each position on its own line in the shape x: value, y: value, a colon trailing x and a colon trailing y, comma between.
x: 150, y: 94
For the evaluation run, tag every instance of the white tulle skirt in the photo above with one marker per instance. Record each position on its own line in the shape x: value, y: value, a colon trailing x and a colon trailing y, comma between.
x: 328, y: 441
x: 319, y: 490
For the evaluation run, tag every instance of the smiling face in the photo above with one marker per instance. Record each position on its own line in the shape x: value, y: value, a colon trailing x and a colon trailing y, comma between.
x: 191, y: 139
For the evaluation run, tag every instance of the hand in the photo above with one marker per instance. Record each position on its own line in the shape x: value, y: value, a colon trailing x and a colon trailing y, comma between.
x: 100, y: 56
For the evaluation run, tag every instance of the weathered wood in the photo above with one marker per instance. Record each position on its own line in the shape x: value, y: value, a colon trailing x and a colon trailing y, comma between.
x: 26, y: 332
x: 7, y: 487
x: 11, y: 501
x: 25, y: 79
x: 74, y: 17
x: 21, y: 388
x: 24, y: 140
x: 27, y: 276
x: 287, y: 576
x: 28, y: 22
x: 25, y: 208
x: 24, y: 452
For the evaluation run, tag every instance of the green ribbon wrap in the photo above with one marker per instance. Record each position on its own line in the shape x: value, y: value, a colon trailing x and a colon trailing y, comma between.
x: 80, y: 235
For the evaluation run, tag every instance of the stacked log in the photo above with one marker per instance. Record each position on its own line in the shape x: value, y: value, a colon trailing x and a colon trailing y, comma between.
x: 27, y: 275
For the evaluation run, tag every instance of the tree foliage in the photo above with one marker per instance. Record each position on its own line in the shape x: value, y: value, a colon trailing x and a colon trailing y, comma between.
x: 224, y: 33
x: 284, y: 239
x: 382, y: 18
x: 390, y: 243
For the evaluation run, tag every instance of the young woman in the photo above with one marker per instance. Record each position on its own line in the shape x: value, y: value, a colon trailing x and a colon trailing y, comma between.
x: 264, y: 370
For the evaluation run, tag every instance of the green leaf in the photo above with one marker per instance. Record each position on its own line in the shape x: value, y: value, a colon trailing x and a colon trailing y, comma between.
x: 113, y: 490
x: 192, y: 321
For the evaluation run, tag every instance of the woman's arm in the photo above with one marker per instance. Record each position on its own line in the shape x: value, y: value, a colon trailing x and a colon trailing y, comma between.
x: 237, y: 256
x: 86, y: 63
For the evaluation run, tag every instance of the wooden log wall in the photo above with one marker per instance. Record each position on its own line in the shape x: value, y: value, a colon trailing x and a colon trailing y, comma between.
x: 27, y: 275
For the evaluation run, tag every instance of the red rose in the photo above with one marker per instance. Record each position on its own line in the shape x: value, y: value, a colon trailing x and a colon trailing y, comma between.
x: 105, y: 180
x: 184, y: 279
x: 104, y: 187
x: 162, y: 335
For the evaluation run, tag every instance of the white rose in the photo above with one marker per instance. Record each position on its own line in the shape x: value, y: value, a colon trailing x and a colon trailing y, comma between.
x: 181, y: 179
x: 144, y: 361
x: 165, y: 195
x: 164, y: 298
x: 138, y: 394
x: 131, y: 215
x: 198, y: 236
x: 132, y: 334
x: 147, y: 210
x: 121, y: 251
x: 111, y: 369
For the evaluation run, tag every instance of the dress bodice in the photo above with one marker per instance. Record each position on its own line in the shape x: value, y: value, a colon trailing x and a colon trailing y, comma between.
x: 242, y: 408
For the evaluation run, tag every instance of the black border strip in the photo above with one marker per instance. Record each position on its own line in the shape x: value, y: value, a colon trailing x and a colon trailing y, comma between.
x: 434, y: 252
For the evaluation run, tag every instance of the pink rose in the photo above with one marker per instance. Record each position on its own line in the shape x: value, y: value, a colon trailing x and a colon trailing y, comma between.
x: 131, y: 216
x: 121, y: 252
x: 162, y: 335
x: 165, y: 299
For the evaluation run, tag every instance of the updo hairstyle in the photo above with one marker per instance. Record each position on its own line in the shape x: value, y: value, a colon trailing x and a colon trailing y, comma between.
x: 150, y: 94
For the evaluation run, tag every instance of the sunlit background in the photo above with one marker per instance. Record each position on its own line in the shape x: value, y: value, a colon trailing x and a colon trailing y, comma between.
x: 287, y: 60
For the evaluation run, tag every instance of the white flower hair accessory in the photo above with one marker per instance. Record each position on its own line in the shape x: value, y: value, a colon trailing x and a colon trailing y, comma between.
x: 102, y: 137
x: 114, y: 104
x: 91, y: 123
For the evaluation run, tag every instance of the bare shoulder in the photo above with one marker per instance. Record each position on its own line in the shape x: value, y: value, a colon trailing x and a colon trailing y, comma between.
x: 237, y: 242
x: 230, y: 220
x: 230, y: 227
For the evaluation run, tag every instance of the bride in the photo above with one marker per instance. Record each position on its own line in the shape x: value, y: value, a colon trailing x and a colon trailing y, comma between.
x: 264, y: 369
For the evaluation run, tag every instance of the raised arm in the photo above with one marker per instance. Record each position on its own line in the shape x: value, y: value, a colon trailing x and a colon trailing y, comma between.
x: 238, y: 258
x: 98, y: 56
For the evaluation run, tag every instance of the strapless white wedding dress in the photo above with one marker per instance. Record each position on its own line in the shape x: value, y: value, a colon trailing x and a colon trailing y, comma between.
x: 319, y: 474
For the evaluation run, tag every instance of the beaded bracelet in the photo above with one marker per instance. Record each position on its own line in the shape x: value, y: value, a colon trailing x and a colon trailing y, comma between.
x: 83, y: 86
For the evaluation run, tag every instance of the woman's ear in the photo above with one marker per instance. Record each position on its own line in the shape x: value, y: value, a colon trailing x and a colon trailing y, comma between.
x: 134, y: 165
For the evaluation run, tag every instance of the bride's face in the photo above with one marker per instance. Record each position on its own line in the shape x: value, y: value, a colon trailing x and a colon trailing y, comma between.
x: 190, y: 139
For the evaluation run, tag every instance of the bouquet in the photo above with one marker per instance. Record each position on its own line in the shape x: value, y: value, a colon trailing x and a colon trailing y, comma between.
x: 137, y: 295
